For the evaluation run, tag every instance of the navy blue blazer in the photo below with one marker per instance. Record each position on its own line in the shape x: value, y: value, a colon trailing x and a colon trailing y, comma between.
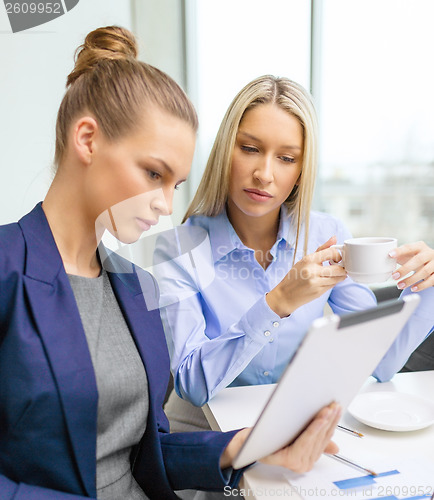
x: 48, y: 393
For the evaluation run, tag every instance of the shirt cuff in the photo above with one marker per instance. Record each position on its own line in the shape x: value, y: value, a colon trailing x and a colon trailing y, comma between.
x: 260, y: 322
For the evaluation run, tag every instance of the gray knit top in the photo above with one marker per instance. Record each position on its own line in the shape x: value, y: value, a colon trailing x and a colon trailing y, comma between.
x: 122, y: 386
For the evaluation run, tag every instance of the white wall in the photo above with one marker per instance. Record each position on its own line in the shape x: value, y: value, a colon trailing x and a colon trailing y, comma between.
x: 158, y: 25
x: 226, y: 48
x: 34, y: 66
x: 231, y: 42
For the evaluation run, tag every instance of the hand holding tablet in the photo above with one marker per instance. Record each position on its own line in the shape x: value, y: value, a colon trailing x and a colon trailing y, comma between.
x: 333, y: 361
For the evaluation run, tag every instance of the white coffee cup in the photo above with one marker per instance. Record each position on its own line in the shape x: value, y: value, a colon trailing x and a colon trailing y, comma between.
x: 367, y: 260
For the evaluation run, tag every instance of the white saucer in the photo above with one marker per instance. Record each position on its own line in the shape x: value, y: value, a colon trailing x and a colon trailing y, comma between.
x: 392, y: 411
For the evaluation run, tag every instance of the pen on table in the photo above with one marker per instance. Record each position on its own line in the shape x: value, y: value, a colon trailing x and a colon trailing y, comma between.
x: 349, y: 462
x: 351, y: 431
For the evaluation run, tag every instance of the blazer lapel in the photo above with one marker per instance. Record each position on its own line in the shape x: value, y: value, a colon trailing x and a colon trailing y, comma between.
x: 58, y: 321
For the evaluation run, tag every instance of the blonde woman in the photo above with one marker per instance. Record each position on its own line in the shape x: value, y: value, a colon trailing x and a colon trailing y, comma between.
x: 235, y: 311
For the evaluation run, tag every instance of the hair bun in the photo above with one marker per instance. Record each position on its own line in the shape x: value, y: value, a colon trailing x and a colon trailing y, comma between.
x: 111, y: 42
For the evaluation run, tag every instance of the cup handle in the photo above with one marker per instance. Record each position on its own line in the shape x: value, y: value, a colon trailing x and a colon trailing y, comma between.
x: 340, y: 248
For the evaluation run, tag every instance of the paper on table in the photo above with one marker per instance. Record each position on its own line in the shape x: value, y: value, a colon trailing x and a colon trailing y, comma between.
x: 397, y: 479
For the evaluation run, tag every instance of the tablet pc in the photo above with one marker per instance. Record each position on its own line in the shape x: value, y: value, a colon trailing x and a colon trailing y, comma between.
x: 333, y: 361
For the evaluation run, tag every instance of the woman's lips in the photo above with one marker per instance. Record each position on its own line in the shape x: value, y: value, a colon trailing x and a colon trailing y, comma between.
x: 145, y: 224
x: 257, y: 195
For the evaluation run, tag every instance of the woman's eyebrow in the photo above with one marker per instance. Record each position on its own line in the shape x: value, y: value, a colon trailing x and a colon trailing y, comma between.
x: 166, y: 167
x: 253, y: 138
x: 163, y: 164
x: 250, y: 136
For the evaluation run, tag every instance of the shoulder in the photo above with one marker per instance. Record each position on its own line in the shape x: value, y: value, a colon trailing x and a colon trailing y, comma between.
x: 12, y: 265
x: 324, y: 218
x: 322, y: 226
x: 10, y: 233
x: 182, y: 239
x: 12, y: 248
x: 201, y: 221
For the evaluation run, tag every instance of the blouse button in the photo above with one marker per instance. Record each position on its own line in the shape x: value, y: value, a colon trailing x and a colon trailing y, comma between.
x: 266, y: 374
x: 267, y: 333
x: 276, y: 324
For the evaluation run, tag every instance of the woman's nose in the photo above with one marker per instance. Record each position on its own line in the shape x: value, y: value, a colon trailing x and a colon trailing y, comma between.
x: 264, y: 171
x: 162, y: 202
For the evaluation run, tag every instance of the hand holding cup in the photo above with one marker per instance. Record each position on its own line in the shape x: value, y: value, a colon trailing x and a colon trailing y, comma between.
x: 307, y: 280
x: 368, y: 260
x: 418, y: 259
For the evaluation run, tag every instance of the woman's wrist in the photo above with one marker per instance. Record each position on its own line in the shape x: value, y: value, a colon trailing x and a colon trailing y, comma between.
x: 278, y: 303
x: 233, y: 447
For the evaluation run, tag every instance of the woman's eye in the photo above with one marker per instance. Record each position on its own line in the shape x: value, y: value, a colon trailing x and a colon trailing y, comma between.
x: 154, y: 175
x: 249, y: 149
x: 288, y: 159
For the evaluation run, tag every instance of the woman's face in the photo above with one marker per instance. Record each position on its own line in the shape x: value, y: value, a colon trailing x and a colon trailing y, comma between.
x: 131, y: 181
x: 266, y: 161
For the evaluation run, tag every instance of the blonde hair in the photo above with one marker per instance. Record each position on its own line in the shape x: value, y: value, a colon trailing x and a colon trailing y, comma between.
x: 212, y: 193
x: 109, y: 82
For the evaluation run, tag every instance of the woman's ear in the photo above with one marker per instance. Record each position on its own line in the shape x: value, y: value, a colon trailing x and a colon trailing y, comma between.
x: 84, y: 134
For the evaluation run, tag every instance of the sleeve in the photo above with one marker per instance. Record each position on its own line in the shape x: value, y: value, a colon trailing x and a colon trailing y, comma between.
x: 3, y: 294
x: 202, y: 365
x: 349, y: 296
x: 10, y: 490
x: 183, y: 452
x: 415, y: 331
x: 191, y: 459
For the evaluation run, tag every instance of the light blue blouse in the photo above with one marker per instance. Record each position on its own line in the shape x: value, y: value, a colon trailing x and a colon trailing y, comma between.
x: 219, y: 328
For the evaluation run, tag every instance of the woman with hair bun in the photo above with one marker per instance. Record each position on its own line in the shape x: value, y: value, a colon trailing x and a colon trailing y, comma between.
x: 83, y: 360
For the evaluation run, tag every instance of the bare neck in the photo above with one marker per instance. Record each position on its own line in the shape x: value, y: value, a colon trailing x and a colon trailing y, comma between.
x: 73, y: 231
